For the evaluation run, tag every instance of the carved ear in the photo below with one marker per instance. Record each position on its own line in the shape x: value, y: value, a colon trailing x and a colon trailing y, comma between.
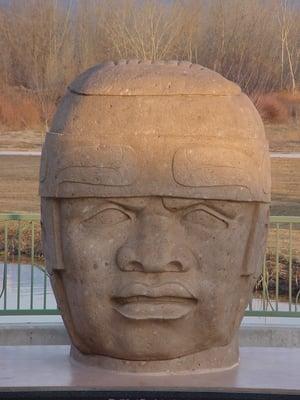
x: 51, y: 234
x: 256, y: 245
x: 54, y: 263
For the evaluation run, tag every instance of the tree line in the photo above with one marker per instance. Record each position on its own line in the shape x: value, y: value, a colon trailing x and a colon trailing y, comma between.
x: 44, y: 44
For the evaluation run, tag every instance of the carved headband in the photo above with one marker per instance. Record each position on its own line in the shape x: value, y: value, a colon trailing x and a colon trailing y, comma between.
x: 167, y: 166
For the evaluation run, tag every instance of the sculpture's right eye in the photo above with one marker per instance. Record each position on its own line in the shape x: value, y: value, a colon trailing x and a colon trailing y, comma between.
x: 108, y: 216
x: 205, y: 219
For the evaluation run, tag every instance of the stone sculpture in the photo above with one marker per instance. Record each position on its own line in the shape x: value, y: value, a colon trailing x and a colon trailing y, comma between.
x: 155, y: 186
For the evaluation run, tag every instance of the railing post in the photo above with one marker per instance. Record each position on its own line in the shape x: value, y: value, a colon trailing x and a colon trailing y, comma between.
x: 290, y: 266
x: 32, y: 265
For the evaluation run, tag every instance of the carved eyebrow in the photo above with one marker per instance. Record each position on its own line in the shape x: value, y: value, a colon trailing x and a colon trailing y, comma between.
x: 127, y: 203
x: 194, y: 204
x: 211, y: 211
x: 179, y: 204
x: 93, y: 211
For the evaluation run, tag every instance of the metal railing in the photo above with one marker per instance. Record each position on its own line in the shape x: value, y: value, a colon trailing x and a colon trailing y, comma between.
x: 25, y: 288
x: 24, y: 283
x: 277, y: 292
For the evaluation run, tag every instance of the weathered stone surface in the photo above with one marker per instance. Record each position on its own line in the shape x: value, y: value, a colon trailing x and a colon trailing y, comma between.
x: 155, y: 186
x: 136, y: 77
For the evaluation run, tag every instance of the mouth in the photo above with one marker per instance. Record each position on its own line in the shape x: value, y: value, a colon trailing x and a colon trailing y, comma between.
x: 166, y: 302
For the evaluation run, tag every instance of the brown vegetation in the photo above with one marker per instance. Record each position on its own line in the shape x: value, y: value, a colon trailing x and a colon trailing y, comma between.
x: 19, y: 184
x: 19, y: 109
x: 45, y: 43
x: 283, y: 275
x: 278, y: 107
x: 19, y: 240
x: 271, y: 108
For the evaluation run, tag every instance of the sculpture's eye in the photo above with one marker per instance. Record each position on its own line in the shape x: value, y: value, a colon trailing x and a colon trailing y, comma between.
x: 108, y: 216
x: 204, y: 218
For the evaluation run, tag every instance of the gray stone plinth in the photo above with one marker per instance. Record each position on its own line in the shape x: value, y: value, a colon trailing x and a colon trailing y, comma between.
x: 252, y: 335
x: 49, y: 368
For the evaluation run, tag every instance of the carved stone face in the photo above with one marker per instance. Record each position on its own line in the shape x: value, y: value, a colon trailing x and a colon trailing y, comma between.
x: 155, y: 277
x: 155, y: 188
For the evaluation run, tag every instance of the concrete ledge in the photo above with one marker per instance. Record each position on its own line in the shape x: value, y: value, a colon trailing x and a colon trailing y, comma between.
x: 55, y: 334
x: 270, y: 335
x: 33, y: 334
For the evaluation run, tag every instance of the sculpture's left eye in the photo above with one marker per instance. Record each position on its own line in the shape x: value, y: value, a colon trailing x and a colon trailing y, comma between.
x: 203, y: 218
x: 108, y: 216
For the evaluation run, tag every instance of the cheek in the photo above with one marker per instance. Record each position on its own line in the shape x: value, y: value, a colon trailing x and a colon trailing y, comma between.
x: 92, y: 249
x: 220, y: 253
x: 90, y: 262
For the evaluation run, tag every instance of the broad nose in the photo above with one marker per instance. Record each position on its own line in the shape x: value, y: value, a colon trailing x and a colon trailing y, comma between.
x: 156, y: 246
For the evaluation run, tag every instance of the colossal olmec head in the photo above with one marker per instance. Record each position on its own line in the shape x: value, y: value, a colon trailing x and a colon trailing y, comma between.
x: 155, y: 185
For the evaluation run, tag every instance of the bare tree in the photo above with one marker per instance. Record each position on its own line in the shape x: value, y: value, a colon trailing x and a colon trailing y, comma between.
x: 45, y: 43
x: 39, y: 42
x: 286, y: 22
x: 151, y: 29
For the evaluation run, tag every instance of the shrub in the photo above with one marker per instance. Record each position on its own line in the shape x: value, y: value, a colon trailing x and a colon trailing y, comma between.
x: 19, y: 109
x: 271, y: 108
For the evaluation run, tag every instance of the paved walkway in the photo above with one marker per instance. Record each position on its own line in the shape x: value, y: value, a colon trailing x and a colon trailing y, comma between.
x: 285, y: 155
x: 38, y: 153
x: 20, y: 153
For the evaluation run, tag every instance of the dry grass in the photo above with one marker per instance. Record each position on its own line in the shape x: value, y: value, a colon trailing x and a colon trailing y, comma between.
x: 25, y: 140
x: 283, y: 137
x: 19, y: 110
x: 285, y: 175
x: 281, y: 107
x: 289, y: 97
x: 271, y: 108
x: 19, y: 184
x: 284, y: 241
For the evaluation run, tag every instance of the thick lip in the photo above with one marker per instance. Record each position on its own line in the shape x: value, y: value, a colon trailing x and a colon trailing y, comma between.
x: 139, y: 301
x: 169, y: 289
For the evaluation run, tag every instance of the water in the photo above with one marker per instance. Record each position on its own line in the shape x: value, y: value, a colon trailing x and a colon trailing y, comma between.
x: 41, y: 290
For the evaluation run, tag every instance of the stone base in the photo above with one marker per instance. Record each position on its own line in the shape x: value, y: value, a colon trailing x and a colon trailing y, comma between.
x: 44, y: 372
x: 216, y: 359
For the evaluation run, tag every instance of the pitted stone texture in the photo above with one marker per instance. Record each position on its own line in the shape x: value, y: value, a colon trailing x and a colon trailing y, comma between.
x: 155, y: 185
x: 136, y: 77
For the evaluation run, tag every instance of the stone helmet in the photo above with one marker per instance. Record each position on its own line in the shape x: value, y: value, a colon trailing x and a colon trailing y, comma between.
x: 137, y: 128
